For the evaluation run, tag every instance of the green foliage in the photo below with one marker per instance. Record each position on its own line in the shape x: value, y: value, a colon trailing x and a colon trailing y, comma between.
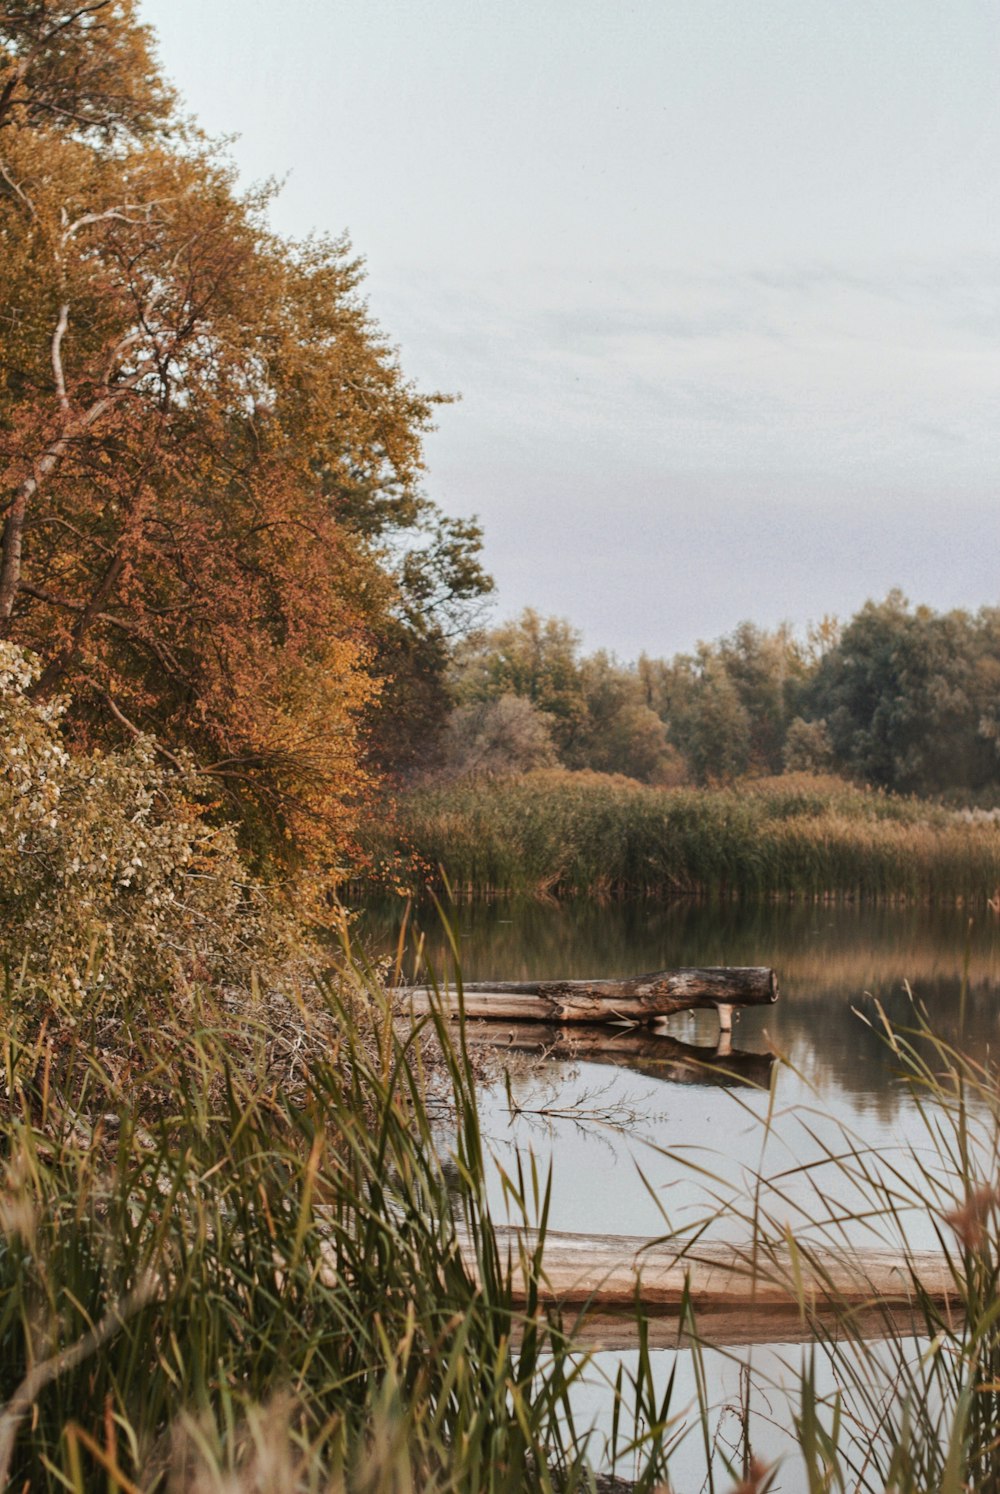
x: 622, y: 734
x: 597, y: 709
x: 807, y: 747
x: 441, y: 587
x: 904, y: 699
x: 727, y: 706
x: 533, y: 657
x: 709, y: 724
x: 909, y: 697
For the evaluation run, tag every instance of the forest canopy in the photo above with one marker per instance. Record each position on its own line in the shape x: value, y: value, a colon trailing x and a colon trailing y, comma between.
x: 216, y: 539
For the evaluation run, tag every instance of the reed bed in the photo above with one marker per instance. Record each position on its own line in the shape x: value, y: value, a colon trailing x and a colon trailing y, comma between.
x: 224, y: 1280
x: 560, y: 833
x: 222, y: 1273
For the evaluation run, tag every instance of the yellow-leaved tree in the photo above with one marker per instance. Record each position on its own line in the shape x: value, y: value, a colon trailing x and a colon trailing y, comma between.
x: 206, y: 444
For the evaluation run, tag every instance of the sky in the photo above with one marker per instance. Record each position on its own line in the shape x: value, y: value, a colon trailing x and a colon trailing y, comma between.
x: 717, y: 281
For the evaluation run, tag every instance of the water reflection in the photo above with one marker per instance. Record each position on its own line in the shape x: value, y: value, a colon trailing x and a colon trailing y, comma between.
x: 833, y: 962
x: 657, y: 1055
x: 641, y: 1138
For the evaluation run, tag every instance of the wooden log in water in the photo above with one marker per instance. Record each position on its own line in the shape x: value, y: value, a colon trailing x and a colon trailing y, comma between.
x: 613, y: 1272
x: 641, y: 999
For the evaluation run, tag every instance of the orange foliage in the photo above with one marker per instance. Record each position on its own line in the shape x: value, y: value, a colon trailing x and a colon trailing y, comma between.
x: 189, y: 407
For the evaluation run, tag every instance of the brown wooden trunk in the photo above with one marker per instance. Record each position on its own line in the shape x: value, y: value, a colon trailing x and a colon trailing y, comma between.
x: 642, y: 999
x: 604, y: 1271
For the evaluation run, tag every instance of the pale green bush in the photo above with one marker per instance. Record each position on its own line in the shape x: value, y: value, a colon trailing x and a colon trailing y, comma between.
x: 112, y: 878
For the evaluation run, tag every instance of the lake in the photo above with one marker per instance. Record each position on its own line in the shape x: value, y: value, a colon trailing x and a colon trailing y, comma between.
x: 641, y: 1141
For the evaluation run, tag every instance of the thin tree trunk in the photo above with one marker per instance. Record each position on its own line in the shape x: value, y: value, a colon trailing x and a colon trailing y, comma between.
x: 11, y: 547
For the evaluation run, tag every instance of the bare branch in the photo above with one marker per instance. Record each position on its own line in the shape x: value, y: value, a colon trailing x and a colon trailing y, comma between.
x: 119, y: 214
x: 17, y: 511
x: 57, y: 363
x: 16, y: 188
x: 130, y: 726
x: 47, y: 1370
x: 44, y: 520
x: 42, y: 594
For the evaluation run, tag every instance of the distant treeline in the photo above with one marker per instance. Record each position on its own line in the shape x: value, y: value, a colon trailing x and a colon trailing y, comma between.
x: 900, y: 697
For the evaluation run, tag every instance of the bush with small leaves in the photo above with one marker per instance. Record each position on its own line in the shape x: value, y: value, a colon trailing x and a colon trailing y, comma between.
x: 119, y: 898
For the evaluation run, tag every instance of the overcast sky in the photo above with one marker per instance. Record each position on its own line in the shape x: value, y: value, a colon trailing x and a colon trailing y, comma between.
x: 718, y: 281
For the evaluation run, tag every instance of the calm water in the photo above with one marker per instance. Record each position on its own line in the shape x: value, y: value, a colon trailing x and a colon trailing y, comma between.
x: 835, y: 965
x: 641, y: 1136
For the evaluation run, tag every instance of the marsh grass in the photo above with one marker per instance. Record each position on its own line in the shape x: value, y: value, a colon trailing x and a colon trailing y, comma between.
x: 562, y: 833
x: 883, y: 1399
x: 213, y: 1278
x: 210, y: 1279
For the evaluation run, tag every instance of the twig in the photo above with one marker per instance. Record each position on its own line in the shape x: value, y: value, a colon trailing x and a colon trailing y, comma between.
x: 59, y: 1364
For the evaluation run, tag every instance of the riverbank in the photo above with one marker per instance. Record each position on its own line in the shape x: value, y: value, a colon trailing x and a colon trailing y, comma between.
x: 555, y: 833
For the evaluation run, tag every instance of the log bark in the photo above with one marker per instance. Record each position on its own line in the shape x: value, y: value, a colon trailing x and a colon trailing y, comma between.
x: 656, y: 1055
x: 604, y: 1272
x: 642, y: 999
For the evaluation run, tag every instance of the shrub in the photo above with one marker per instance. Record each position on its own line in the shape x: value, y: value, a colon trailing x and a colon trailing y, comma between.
x: 114, y: 885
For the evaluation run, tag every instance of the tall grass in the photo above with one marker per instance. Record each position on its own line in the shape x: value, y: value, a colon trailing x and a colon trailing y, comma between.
x: 214, y: 1280
x: 206, y: 1275
x: 564, y: 833
x: 887, y: 1399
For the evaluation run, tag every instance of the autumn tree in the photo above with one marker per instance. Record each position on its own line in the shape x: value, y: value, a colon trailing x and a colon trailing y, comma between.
x: 204, y: 441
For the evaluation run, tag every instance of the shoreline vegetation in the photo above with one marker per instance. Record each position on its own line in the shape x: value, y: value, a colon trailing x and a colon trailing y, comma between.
x: 555, y: 833
x: 234, y: 1200
x: 218, y: 1277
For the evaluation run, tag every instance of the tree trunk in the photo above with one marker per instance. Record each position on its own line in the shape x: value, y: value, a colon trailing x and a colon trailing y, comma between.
x: 642, y: 999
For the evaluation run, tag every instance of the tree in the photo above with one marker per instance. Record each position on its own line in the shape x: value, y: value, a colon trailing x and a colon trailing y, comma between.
x: 534, y: 657
x: 506, y: 735
x: 622, y: 735
x: 708, y: 722
x: 905, y: 693
x: 204, y: 442
x: 440, y: 590
x: 763, y: 667
x: 83, y: 67
x: 807, y: 747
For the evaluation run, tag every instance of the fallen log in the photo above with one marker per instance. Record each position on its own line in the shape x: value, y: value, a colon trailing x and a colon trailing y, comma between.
x: 642, y: 999
x: 654, y: 1054
x: 735, y: 1293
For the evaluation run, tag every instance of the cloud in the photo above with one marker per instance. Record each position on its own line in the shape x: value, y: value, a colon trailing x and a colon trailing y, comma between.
x: 890, y: 366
